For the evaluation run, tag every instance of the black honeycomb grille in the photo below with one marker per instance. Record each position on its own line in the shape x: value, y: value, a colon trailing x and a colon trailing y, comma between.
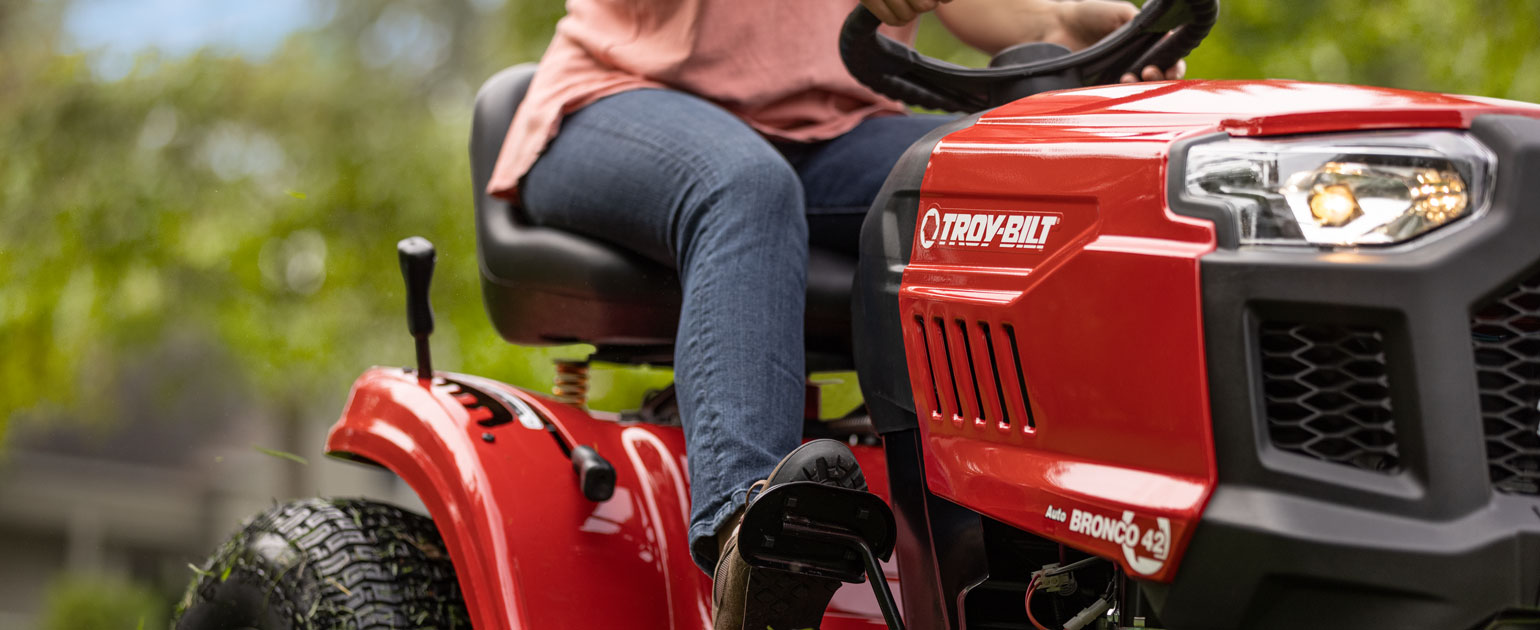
x: 1327, y: 394
x: 1506, y: 336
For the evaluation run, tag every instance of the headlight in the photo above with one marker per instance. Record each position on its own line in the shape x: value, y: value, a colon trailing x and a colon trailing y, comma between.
x: 1375, y: 188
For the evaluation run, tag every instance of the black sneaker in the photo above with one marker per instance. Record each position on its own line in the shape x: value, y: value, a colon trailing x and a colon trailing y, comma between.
x: 778, y: 600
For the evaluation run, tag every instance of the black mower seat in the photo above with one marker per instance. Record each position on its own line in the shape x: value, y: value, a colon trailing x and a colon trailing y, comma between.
x: 543, y: 285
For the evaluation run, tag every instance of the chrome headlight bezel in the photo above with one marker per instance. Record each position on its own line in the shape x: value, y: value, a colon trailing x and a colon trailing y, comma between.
x: 1257, y: 184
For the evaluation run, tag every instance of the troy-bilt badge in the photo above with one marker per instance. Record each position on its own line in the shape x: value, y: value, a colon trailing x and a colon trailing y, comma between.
x: 987, y: 229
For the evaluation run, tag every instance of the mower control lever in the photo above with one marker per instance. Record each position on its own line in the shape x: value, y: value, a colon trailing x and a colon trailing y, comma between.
x: 417, y: 257
x: 596, y: 476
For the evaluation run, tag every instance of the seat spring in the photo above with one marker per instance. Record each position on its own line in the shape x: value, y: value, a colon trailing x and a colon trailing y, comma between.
x: 571, y: 381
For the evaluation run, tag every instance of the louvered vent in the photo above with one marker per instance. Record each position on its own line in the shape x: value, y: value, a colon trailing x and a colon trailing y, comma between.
x: 972, y: 369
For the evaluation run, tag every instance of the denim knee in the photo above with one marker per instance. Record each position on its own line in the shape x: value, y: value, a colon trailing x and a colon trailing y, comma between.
x: 753, y: 197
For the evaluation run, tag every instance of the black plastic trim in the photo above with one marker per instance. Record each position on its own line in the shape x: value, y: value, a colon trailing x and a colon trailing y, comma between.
x: 940, y: 545
x: 1226, y: 227
x: 1287, y: 542
x: 886, y: 238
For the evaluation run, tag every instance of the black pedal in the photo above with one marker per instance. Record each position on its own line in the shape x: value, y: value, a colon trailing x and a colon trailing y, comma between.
x: 813, y: 528
x: 816, y: 529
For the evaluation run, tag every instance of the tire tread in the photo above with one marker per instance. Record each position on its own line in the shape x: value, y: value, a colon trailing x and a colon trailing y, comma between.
x: 348, y: 564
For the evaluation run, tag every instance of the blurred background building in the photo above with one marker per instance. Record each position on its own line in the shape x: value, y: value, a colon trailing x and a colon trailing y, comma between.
x: 123, y: 511
x: 198, y: 206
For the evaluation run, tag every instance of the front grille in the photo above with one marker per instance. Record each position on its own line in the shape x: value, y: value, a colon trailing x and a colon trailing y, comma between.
x: 1506, y: 336
x: 1327, y: 394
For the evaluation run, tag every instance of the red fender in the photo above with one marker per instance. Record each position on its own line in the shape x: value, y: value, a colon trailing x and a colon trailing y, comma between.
x: 528, y: 549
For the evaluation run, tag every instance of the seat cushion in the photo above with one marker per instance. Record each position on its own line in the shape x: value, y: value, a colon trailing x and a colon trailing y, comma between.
x: 543, y: 285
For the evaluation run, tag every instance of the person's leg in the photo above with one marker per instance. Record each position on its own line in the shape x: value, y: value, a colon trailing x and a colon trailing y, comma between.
x: 841, y: 177
x: 680, y: 180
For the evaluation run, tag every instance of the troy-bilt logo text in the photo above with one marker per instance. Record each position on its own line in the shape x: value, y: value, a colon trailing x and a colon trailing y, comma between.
x: 1145, y: 551
x: 992, y: 229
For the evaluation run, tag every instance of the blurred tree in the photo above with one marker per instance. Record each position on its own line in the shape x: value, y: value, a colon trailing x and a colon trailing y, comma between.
x: 254, y: 203
x: 1485, y: 47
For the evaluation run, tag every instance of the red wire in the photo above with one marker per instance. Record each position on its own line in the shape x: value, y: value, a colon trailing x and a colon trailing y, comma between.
x: 1031, y: 586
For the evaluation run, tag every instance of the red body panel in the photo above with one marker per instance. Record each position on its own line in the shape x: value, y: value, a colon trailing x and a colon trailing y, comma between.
x: 1100, y: 310
x: 529, y: 550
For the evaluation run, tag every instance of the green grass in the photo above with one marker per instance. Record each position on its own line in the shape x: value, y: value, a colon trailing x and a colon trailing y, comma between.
x: 97, y: 602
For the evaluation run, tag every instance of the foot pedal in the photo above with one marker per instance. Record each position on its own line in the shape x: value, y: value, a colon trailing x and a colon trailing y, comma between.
x: 822, y: 530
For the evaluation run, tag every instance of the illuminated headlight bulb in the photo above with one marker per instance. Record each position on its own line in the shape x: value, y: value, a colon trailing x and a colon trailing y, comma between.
x: 1440, y: 196
x: 1334, y: 206
x: 1437, y: 197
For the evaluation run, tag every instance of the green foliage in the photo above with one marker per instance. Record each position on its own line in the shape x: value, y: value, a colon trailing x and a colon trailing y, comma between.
x: 1484, y: 47
x: 253, y: 205
x: 98, y: 603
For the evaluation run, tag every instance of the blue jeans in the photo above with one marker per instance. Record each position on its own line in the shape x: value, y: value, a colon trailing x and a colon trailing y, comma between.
x: 680, y: 180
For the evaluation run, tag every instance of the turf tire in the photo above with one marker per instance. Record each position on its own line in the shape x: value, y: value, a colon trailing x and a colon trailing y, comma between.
x: 327, y: 564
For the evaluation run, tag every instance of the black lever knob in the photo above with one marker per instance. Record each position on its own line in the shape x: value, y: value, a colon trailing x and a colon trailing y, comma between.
x: 417, y: 257
x: 596, y: 477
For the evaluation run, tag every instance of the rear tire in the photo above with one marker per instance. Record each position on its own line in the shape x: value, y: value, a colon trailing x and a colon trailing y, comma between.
x: 327, y: 564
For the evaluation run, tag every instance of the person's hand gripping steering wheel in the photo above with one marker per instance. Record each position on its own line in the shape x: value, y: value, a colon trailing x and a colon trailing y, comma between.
x: 1072, y: 24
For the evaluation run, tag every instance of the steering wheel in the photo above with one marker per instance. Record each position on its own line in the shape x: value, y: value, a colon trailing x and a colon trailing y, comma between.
x: 1162, y: 33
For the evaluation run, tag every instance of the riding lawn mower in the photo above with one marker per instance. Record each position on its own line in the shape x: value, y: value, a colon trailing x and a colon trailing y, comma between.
x: 1240, y: 355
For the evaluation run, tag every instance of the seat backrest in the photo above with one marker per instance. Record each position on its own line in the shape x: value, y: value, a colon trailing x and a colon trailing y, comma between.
x: 542, y: 285
x: 496, y: 103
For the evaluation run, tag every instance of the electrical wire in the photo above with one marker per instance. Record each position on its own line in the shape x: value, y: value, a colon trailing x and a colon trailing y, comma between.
x: 1032, y: 586
x: 1071, y: 566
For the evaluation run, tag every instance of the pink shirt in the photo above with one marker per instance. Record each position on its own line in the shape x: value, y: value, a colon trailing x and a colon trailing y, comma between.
x: 773, y: 63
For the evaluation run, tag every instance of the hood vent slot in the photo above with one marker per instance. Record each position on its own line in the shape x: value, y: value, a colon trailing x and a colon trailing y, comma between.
x: 961, y: 386
x: 1021, y: 381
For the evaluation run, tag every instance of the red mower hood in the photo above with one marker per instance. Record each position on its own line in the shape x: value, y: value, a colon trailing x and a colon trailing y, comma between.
x: 1248, y: 108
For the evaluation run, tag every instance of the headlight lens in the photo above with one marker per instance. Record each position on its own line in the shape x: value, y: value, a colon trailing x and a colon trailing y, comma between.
x: 1375, y: 188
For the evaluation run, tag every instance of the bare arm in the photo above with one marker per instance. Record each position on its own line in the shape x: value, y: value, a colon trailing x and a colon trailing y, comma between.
x: 993, y: 25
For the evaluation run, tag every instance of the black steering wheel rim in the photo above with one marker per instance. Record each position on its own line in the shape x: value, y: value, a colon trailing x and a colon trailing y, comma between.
x: 1162, y: 33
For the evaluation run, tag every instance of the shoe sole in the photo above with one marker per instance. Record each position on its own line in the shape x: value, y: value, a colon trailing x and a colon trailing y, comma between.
x: 780, y: 600
x: 823, y: 461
